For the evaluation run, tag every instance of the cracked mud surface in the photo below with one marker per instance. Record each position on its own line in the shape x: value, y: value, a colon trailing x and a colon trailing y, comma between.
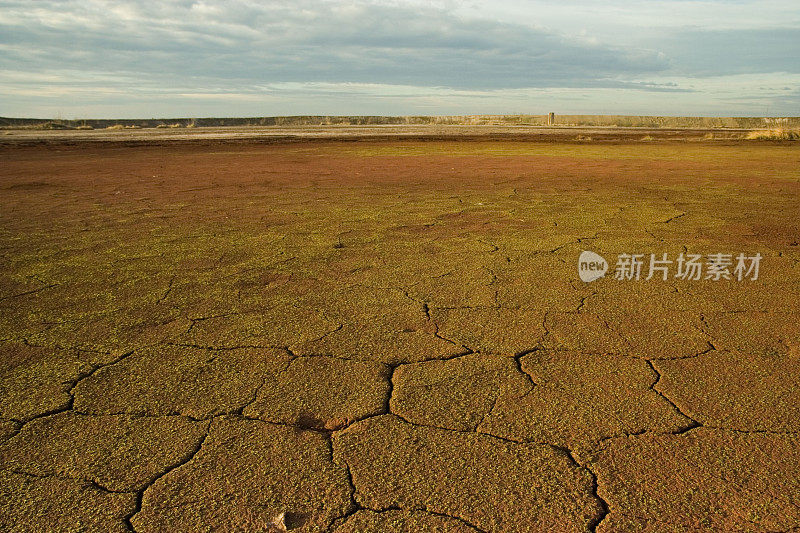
x: 392, y: 336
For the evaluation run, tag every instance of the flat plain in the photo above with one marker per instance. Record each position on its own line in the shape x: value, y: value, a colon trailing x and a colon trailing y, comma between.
x: 390, y: 334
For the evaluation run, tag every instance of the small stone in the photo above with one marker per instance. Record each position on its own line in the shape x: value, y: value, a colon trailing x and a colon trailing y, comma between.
x: 278, y: 524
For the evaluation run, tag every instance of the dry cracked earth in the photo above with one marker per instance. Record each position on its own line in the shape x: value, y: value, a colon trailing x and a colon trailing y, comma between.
x: 392, y: 336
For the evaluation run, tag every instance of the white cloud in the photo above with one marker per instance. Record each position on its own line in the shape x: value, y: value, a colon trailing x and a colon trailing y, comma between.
x: 396, y: 56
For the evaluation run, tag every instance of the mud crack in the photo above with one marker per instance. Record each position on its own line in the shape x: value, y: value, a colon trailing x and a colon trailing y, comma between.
x: 692, y: 422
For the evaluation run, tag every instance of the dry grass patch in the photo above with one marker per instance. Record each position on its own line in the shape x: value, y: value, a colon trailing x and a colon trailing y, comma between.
x: 778, y: 134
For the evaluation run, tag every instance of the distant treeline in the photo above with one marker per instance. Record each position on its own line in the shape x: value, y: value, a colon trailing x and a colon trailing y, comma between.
x: 472, y: 120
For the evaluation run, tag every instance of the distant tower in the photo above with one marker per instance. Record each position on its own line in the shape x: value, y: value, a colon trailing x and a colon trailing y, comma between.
x: 551, y: 119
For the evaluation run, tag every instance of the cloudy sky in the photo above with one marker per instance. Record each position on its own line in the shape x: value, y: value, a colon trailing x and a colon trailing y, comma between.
x: 142, y: 59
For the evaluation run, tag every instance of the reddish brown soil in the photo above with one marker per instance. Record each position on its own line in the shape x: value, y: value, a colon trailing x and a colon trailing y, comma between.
x: 391, y: 335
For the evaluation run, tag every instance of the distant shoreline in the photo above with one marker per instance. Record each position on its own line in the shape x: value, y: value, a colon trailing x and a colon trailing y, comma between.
x: 130, y: 136
x: 623, y: 121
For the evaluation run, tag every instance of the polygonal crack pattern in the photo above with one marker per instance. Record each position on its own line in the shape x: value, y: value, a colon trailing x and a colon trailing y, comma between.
x: 386, y: 336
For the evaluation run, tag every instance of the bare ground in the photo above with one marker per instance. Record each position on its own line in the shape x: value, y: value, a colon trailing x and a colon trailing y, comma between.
x: 390, y: 335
